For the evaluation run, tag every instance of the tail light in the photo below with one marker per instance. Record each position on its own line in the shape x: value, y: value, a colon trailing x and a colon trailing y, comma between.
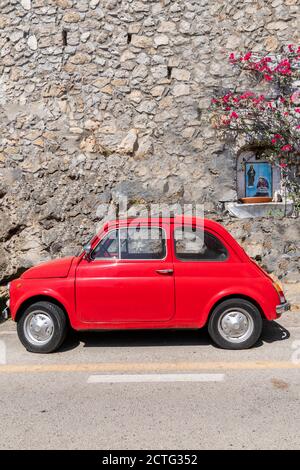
x: 279, y: 292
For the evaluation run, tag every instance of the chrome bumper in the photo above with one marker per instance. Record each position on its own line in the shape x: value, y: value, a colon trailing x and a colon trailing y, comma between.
x: 280, y: 309
x: 5, y: 312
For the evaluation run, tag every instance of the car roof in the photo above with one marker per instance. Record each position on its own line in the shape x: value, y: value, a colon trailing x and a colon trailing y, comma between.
x: 178, y: 219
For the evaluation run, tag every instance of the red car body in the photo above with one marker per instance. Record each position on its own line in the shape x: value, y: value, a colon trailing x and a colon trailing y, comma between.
x: 156, y: 293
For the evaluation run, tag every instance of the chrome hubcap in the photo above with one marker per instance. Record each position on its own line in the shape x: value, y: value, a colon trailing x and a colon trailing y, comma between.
x: 38, y: 327
x: 235, y: 325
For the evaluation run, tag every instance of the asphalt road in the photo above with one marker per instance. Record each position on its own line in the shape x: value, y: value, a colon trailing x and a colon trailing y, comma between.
x: 152, y: 390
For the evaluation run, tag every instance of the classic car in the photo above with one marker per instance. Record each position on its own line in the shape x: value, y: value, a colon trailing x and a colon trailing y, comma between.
x: 148, y: 273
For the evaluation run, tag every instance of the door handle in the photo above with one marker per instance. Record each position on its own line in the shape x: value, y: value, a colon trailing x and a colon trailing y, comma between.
x: 164, y: 271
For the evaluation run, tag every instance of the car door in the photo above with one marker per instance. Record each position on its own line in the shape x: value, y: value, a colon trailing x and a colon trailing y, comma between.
x: 129, y: 278
x: 203, y: 266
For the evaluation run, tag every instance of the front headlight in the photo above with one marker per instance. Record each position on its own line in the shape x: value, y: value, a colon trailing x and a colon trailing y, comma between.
x: 8, y: 289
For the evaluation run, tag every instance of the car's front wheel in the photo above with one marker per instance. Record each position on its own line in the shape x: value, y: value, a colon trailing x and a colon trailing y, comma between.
x: 235, y: 324
x: 42, y: 327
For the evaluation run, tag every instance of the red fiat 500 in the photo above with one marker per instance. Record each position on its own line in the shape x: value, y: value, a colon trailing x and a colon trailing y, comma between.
x: 148, y: 273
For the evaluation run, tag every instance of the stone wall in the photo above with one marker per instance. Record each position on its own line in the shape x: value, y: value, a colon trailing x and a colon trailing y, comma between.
x: 106, y: 98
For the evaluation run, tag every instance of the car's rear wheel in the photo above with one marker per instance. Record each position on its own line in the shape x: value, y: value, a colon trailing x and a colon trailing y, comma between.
x: 42, y: 327
x: 235, y: 324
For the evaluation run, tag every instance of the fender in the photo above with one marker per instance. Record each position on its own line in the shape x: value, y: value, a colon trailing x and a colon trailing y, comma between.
x: 235, y: 291
x: 24, y: 290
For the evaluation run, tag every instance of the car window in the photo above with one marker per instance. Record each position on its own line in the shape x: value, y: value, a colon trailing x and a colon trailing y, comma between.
x: 142, y: 243
x: 194, y: 244
x: 108, y: 247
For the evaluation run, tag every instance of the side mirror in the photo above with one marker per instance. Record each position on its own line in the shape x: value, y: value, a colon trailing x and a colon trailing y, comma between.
x: 88, y: 251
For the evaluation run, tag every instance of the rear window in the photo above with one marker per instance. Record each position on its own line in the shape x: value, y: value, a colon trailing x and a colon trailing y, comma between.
x: 194, y: 244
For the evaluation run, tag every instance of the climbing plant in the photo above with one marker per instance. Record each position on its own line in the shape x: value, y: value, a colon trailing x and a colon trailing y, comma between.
x: 269, y: 120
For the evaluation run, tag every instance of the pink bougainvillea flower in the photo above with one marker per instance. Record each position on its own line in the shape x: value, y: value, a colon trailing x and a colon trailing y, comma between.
x: 258, y: 100
x: 246, y: 95
x: 295, y: 98
x: 247, y: 56
x: 276, y: 137
x: 262, y: 116
x: 284, y: 67
x: 234, y: 115
x: 268, y: 77
x: 226, y: 98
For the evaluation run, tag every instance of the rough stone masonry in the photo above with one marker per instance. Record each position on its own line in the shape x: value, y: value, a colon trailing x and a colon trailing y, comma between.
x: 101, y: 99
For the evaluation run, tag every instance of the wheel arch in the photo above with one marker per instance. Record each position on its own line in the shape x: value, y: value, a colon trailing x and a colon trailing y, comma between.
x: 40, y: 298
x: 236, y: 296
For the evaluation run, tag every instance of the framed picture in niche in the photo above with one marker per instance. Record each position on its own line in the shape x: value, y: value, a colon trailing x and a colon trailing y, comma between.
x: 258, y: 179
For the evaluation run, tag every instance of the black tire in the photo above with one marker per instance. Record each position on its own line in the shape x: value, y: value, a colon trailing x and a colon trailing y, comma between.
x: 251, y: 322
x: 58, y: 327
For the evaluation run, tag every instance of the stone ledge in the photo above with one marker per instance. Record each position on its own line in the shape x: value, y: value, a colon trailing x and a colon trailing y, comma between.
x: 268, y: 209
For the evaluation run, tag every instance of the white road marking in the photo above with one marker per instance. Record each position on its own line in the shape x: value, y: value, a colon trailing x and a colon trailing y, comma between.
x: 142, y: 378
